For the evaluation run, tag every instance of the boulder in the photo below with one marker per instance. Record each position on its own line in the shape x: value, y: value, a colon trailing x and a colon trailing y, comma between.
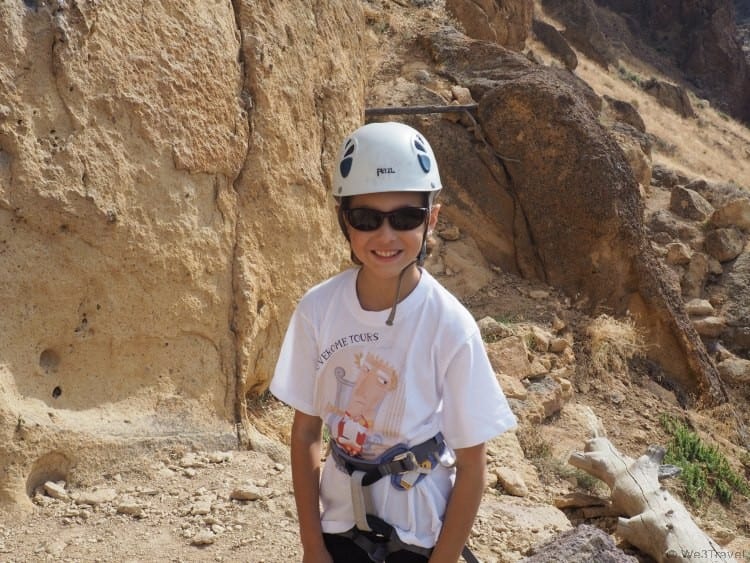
x: 678, y: 253
x: 510, y: 356
x: 694, y: 279
x: 724, y: 244
x: 699, y: 308
x: 636, y: 146
x: 736, y: 213
x: 511, y: 482
x: 710, y: 327
x: 735, y: 370
x: 670, y: 96
x: 689, y: 204
x: 737, y: 308
x: 624, y: 112
x: 549, y: 394
x: 540, y: 339
x: 506, y: 22
x: 512, y: 386
x: 565, y: 206
x: 665, y: 177
x: 493, y: 330
x: 95, y: 497
x: 582, y: 544
x: 664, y: 221
x: 582, y: 28
x: 553, y: 40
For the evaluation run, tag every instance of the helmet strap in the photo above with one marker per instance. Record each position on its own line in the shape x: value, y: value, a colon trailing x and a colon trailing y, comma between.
x: 419, y: 261
x: 392, y: 315
x: 423, y: 251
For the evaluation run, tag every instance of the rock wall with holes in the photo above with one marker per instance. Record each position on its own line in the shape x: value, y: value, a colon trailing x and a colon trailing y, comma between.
x: 163, y: 203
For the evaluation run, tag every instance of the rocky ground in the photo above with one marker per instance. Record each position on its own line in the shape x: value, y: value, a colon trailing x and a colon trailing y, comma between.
x: 181, y: 504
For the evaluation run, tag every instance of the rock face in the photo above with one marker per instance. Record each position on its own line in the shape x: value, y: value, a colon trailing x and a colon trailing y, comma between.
x: 700, y: 37
x: 163, y: 169
x: 507, y: 22
x: 576, y: 211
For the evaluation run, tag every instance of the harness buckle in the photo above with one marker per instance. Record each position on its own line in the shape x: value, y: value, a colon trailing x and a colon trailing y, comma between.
x: 406, y: 461
x: 408, y: 478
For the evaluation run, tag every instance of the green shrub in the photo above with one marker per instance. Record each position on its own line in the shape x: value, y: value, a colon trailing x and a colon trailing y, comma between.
x: 706, y: 473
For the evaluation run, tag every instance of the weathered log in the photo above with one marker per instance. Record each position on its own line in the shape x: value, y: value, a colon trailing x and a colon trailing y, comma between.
x: 657, y: 523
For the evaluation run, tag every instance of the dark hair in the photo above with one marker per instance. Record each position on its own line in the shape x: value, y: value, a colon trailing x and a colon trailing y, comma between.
x: 344, y: 204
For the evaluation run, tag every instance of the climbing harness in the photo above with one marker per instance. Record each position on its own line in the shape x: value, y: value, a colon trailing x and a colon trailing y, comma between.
x: 406, y: 467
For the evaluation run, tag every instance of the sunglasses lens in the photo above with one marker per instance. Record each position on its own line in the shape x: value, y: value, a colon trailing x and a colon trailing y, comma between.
x: 364, y: 219
x: 404, y: 219
x: 407, y: 218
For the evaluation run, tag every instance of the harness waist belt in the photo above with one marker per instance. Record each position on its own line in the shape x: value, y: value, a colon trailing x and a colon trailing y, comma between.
x: 396, y: 460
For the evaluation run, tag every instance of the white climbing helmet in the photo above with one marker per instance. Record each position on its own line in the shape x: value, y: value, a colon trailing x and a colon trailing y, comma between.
x: 385, y: 157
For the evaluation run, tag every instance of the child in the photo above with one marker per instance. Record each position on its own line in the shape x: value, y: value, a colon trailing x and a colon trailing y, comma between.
x: 408, y: 397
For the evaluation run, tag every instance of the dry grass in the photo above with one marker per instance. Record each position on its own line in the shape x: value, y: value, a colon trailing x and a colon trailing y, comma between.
x: 712, y: 146
x: 613, y: 344
x: 270, y: 416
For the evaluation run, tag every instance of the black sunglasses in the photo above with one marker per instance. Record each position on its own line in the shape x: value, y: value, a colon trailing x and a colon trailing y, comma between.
x: 401, y: 219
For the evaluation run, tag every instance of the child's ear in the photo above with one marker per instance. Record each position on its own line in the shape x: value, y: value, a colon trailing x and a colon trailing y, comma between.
x: 434, y: 212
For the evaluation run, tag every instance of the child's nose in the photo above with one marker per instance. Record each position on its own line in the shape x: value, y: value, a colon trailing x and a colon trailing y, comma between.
x: 385, y: 230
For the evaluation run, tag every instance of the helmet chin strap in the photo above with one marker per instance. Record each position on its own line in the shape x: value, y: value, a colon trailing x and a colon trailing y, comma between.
x: 419, y: 260
x: 389, y: 320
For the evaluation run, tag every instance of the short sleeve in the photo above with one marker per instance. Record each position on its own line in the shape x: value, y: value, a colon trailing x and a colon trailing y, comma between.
x: 294, y: 377
x: 475, y: 408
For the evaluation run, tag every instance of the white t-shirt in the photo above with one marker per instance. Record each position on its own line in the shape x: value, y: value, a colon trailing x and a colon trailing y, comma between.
x: 375, y: 386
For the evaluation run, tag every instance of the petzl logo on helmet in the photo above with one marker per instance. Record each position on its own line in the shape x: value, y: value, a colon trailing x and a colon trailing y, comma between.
x: 380, y: 171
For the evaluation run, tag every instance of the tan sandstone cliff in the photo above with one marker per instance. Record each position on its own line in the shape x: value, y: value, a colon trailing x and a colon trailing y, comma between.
x: 162, y: 206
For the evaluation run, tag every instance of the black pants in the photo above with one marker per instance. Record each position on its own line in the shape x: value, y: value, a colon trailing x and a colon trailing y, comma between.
x: 344, y: 550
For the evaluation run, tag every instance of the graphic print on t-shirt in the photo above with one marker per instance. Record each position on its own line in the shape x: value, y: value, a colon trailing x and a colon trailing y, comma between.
x: 364, y: 381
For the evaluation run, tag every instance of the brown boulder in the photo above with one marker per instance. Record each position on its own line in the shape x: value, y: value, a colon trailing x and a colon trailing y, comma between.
x: 666, y: 177
x: 506, y: 22
x: 735, y: 213
x: 664, y: 221
x: 694, y: 280
x: 725, y: 244
x: 581, y: 545
x: 575, y: 210
x: 555, y: 43
x: 636, y: 146
x: 624, y: 112
x: 738, y: 306
x: 689, y: 204
x: 670, y: 96
x: 582, y: 28
x: 510, y: 356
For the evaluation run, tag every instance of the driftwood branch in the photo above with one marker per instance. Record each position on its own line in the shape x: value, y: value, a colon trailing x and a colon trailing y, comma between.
x: 657, y: 523
x: 414, y: 110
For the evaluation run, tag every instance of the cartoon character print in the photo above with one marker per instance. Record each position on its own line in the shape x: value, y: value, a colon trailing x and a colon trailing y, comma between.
x: 351, y: 423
